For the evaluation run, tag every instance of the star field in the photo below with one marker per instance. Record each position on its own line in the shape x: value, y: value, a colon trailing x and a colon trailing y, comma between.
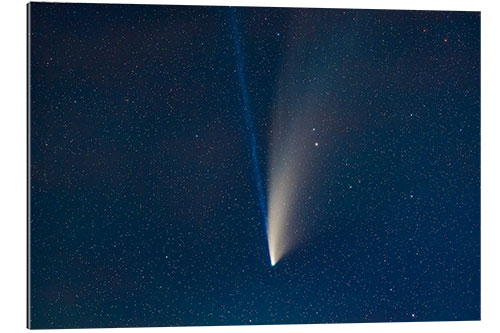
x: 143, y: 202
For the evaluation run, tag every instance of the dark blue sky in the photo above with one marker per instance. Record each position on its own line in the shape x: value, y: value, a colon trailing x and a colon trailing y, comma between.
x: 144, y: 205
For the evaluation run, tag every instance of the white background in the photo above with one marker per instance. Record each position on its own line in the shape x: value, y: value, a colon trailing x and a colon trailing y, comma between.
x: 13, y: 166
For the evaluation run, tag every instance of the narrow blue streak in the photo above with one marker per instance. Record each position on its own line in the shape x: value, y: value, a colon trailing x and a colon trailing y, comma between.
x: 240, y: 62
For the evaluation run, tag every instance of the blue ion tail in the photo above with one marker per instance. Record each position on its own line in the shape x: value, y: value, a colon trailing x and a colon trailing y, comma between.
x: 240, y: 64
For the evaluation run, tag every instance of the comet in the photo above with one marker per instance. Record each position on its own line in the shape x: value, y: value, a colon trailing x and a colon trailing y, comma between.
x: 292, y: 149
x: 300, y: 140
x: 294, y: 143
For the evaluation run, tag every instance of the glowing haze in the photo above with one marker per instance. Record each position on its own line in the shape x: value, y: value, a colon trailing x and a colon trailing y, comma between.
x: 292, y: 148
x: 299, y: 124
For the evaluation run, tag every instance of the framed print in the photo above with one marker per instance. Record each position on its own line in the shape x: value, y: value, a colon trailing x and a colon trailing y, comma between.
x: 203, y: 165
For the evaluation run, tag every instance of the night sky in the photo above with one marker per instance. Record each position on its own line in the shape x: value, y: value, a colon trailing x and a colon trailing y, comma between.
x: 151, y: 136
